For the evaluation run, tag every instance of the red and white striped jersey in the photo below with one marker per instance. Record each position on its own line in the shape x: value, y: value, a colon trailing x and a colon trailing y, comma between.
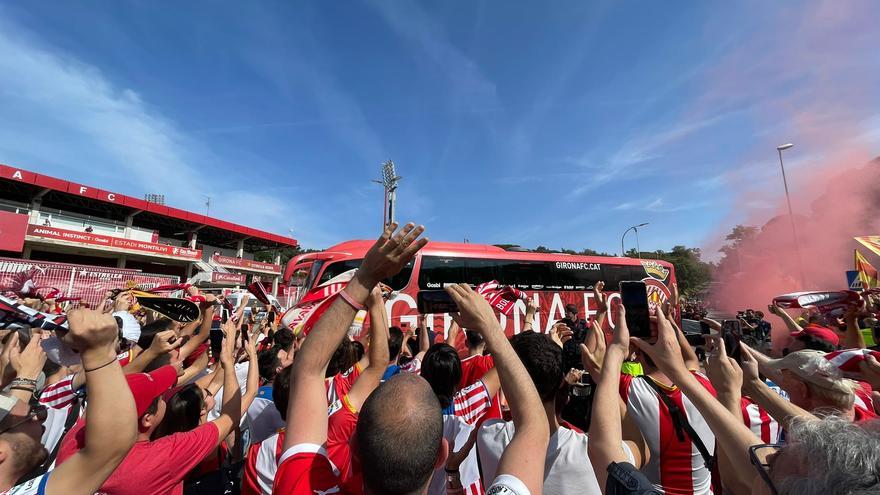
x: 339, y: 384
x: 863, y: 397
x: 762, y: 424
x: 470, y: 403
x: 60, y: 394
x: 676, y: 466
x: 261, y: 465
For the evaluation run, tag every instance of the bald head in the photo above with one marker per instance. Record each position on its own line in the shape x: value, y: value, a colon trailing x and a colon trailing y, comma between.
x: 399, y: 436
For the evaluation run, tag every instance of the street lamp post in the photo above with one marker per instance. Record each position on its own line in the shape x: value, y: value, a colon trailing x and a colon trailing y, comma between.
x: 794, y: 236
x: 636, y: 229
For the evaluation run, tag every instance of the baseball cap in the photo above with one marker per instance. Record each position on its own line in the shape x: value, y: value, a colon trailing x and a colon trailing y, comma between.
x: 145, y: 387
x: 819, y: 332
x: 811, y: 366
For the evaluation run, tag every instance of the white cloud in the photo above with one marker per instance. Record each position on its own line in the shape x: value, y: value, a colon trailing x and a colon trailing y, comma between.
x: 65, y: 117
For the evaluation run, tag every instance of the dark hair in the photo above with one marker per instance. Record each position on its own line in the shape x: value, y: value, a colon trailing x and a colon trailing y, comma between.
x: 281, y: 391
x: 398, y: 436
x: 395, y: 341
x: 441, y: 366
x: 283, y: 339
x: 342, y: 360
x: 183, y: 411
x: 267, y: 362
x: 572, y: 308
x: 153, y: 407
x: 150, y: 330
x: 542, y: 359
x: 473, y: 339
x: 358, y: 350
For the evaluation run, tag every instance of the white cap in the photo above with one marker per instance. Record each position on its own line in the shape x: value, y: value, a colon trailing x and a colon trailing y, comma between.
x: 131, y: 329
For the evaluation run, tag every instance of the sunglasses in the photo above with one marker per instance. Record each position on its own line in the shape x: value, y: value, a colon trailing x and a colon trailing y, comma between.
x: 759, y: 452
x: 38, y: 413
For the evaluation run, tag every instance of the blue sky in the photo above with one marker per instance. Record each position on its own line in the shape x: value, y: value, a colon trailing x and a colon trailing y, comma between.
x: 555, y: 123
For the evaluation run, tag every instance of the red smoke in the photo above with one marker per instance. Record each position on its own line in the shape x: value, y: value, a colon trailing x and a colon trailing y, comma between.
x: 838, y: 201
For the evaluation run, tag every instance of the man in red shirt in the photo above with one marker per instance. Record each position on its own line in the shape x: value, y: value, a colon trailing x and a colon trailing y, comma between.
x: 111, y: 418
x: 399, y: 437
x: 160, y: 466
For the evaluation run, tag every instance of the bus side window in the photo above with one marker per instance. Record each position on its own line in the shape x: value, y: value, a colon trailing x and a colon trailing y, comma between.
x: 534, y: 275
x: 437, y: 271
x: 478, y: 271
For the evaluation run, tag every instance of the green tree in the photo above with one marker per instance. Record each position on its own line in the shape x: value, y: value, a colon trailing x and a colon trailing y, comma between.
x: 693, y: 274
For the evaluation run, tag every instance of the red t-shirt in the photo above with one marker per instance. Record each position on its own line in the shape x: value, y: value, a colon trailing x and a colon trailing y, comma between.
x: 151, y: 467
x: 339, y: 384
x: 341, y: 425
x: 305, y: 470
x: 472, y: 369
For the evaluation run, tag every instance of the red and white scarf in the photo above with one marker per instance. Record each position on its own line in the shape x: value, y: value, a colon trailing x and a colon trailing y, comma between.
x: 501, y: 297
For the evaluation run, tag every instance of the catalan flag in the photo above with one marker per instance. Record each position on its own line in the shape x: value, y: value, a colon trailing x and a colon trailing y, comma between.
x: 867, y: 273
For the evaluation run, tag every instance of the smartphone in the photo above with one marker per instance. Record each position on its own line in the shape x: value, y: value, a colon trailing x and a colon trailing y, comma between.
x: 731, y: 331
x: 733, y: 327
x: 435, y: 301
x: 216, y: 337
x: 634, y: 296
x: 704, y: 328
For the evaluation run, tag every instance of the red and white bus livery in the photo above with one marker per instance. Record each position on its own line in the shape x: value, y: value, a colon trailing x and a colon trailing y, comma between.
x: 552, y: 280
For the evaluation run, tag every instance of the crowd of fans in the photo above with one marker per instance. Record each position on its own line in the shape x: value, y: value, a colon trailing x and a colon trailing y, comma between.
x: 120, y: 400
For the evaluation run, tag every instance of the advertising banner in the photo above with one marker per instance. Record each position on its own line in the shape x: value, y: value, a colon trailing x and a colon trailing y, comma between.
x: 230, y: 262
x: 228, y: 278
x: 92, y: 239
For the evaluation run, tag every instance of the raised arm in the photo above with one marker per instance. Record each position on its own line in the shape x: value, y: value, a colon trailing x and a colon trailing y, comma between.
x: 606, y: 432
x: 531, y: 310
x: 111, y: 424
x: 780, y: 409
x: 454, y: 330
x: 853, y: 338
x: 786, y: 318
x: 163, y: 343
x: 601, y: 307
x: 730, y: 432
x: 307, y: 408
x: 198, y: 339
x: 230, y: 413
x: 371, y: 376
x: 253, y: 377
x: 524, y: 456
x: 424, y: 340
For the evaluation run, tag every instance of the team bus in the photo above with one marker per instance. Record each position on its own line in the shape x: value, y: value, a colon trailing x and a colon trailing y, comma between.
x: 551, y: 280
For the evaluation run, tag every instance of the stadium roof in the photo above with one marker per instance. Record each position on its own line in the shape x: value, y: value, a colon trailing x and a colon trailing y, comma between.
x: 23, y: 186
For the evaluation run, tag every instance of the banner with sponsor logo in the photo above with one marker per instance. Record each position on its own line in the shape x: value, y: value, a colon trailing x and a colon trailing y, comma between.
x: 92, y: 239
x: 228, y: 278
x: 230, y: 262
x: 87, y: 282
x: 12, y: 231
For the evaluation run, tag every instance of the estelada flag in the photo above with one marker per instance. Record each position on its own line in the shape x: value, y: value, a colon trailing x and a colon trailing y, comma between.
x: 501, y: 297
x: 871, y: 242
x: 867, y: 273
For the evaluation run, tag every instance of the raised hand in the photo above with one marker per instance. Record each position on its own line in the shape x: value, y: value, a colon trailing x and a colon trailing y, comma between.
x: 871, y: 371
x: 560, y: 333
x: 29, y: 362
x: 165, y: 342
x: 390, y: 253
x: 600, y: 297
x: 474, y: 312
x: 723, y: 372
x: 88, y: 329
x: 666, y: 352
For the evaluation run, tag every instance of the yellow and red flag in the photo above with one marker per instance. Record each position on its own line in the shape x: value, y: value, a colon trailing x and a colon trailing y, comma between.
x: 871, y: 242
x: 867, y: 273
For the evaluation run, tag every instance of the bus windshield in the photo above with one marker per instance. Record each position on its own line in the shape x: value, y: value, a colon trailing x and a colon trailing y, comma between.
x: 396, y: 282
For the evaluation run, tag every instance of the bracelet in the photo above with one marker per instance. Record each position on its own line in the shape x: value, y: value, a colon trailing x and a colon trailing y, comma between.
x: 99, y: 367
x: 454, y: 472
x: 350, y: 300
x: 26, y: 389
x: 24, y: 381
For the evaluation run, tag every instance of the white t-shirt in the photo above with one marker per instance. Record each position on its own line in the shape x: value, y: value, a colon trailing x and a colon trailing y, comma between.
x: 36, y: 486
x: 567, y: 468
x: 506, y: 484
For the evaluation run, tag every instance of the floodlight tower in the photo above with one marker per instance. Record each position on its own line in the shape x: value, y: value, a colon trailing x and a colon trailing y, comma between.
x: 389, y: 182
